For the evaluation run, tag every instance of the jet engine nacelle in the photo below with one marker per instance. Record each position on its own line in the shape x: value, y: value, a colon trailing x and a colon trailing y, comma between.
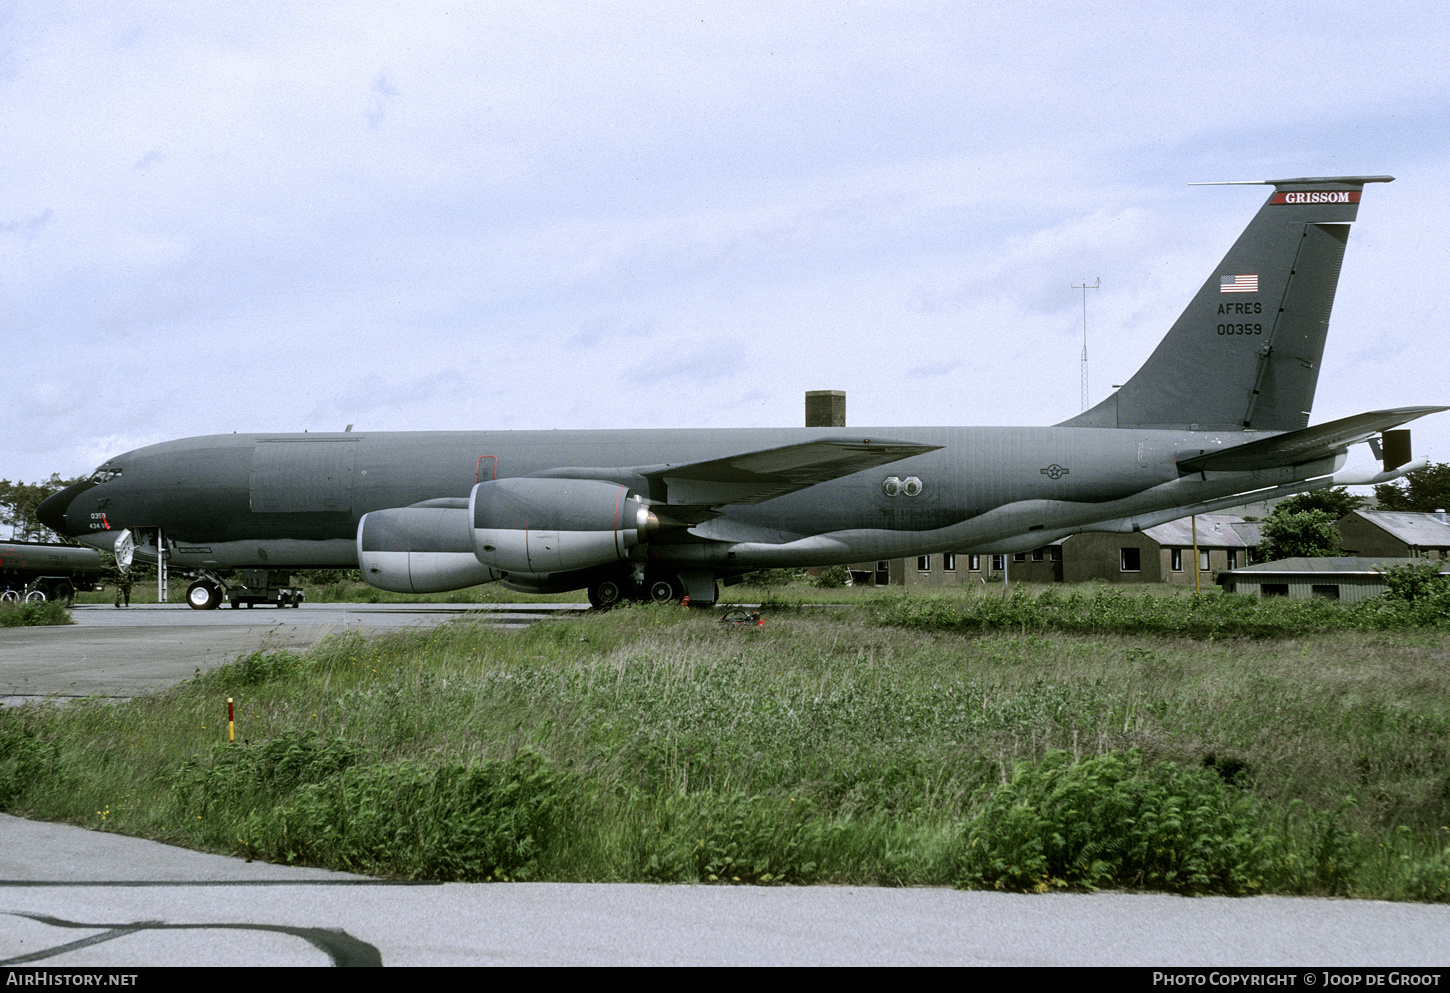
x: 419, y: 550
x: 549, y: 525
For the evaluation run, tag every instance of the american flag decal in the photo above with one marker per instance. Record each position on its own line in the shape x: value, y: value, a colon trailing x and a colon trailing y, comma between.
x: 1239, y: 284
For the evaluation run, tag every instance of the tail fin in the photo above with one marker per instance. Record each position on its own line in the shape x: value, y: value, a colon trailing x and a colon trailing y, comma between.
x: 1245, y: 354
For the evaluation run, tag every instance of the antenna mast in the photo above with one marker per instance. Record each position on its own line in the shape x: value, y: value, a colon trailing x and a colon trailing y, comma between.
x: 1085, y: 287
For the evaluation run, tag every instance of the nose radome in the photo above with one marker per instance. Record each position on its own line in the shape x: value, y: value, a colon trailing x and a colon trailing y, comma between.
x: 52, y: 510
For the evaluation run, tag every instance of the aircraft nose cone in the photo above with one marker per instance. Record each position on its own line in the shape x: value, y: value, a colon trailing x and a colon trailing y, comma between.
x: 52, y: 510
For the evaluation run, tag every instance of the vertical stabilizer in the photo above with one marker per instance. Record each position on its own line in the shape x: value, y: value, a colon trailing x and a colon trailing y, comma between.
x: 1245, y: 354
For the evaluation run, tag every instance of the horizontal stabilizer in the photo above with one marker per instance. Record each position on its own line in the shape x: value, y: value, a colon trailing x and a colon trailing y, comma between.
x: 753, y: 477
x: 1305, y: 445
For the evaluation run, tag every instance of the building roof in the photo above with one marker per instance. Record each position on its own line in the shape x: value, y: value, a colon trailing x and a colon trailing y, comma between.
x: 1417, y: 529
x: 1339, y: 565
x: 1214, y: 531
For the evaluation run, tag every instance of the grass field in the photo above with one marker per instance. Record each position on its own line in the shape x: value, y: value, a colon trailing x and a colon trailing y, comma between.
x: 955, y: 740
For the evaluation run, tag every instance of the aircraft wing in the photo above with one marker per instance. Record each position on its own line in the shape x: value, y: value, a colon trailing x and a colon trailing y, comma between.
x: 753, y: 477
x: 1305, y: 445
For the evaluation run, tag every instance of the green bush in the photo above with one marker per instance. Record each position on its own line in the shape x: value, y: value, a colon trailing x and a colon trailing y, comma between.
x: 832, y: 578
x: 233, y: 777
x: 14, y: 615
x: 1416, y: 581
x: 482, y: 821
x: 1193, y: 615
x: 770, y: 578
x: 1110, y: 821
x: 257, y: 668
x: 25, y: 759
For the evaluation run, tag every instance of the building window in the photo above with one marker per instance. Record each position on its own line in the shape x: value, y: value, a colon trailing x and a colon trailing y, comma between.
x: 1203, y: 560
x: 948, y: 562
x: 1177, y: 557
x: 1274, y: 589
x: 1129, y: 560
x: 1233, y: 558
x: 1038, y: 554
x: 999, y: 562
x: 974, y: 563
x: 923, y: 563
x: 1055, y: 553
x: 1327, y: 592
x: 1019, y: 556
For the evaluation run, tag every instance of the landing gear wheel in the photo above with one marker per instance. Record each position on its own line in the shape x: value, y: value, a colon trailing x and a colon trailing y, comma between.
x: 662, y: 591
x: 202, y: 595
x: 606, y: 593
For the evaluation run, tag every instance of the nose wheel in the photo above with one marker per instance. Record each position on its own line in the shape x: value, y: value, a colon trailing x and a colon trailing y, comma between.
x: 202, y: 595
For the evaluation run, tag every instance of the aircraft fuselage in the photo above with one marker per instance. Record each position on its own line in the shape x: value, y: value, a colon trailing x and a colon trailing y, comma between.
x: 294, y: 500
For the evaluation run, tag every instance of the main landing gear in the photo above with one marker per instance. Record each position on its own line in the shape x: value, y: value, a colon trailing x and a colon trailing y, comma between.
x: 656, y: 588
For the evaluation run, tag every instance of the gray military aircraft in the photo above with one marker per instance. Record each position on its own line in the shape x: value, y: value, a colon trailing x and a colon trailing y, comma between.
x: 1216, y: 417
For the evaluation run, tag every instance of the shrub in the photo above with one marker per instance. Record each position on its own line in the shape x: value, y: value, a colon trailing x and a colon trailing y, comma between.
x: 1416, y: 581
x: 25, y: 759
x: 44, y: 612
x: 1109, y: 821
x: 461, y: 822
x: 770, y: 578
x: 257, y: 668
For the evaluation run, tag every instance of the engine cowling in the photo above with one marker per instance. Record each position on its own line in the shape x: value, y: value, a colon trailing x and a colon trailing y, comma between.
x: 419, y: 550
x: 548, y: 525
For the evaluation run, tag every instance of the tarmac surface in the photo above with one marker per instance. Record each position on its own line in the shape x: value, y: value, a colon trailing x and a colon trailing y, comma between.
x: 122, y: 652
x: 71, y: 897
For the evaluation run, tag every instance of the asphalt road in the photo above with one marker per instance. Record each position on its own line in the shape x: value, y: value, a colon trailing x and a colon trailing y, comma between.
x: 122, y: 652
x: 71, y: 897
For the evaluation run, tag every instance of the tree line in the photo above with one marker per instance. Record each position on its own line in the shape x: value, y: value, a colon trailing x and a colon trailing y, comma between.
x: 18, y: 501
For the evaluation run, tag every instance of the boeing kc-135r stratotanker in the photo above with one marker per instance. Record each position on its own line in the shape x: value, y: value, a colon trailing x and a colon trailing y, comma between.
x: 1216, y: 417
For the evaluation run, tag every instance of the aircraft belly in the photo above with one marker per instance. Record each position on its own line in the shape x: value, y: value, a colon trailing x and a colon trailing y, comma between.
x: 335, y: 553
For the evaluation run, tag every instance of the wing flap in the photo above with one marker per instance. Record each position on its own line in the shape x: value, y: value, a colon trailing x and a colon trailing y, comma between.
x: 1304, y: 445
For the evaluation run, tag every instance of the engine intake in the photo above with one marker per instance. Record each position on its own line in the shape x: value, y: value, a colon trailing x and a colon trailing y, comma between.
x: 419, y: 550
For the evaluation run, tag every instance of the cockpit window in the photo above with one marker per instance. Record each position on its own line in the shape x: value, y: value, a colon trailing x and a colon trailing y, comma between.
x: 105, y: 474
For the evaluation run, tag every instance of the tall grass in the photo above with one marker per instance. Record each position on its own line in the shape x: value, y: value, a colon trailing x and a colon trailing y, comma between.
x: 655, y: 744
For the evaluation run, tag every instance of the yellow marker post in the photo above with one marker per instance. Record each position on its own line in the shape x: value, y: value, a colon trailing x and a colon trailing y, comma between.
x: 231, y: 725
x: 1196, y: 571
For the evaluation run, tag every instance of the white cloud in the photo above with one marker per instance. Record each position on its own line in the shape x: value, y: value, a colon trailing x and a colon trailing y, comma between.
x: 276, y: 216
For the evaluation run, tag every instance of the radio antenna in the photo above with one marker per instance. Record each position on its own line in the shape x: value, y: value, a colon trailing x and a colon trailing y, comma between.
x: 1085, y: 287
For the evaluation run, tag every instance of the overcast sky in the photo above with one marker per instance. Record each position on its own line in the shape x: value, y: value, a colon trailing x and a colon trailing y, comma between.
x: 273, y: 217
